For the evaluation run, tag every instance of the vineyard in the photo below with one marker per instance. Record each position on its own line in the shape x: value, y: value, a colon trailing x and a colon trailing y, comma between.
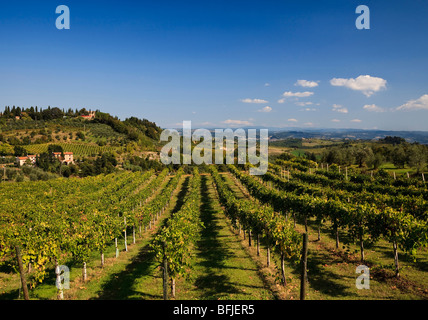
x: 78, y: 149
x: 215, y: 235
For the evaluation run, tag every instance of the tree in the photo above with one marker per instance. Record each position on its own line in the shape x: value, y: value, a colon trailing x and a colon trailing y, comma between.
x: 375, y: 160
x: 45, y: 161
x: 6, y: 149
x: 332, y: 156
x: 361, y: 154
x: 55, y: 148
x: 393, y: 140
x: 417, y: 157
x: 11, y: 173
x: 80, y: 135
x: 398, y: 156
x: 19, y: 151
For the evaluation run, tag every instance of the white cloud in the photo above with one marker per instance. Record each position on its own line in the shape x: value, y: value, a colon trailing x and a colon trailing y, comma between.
x: 306, y: 83
x: 308, y: 109
x: 418, y: 104
x: 266, y: 109
x: 373, y: 108
x: 368, y: 85
x: 303, y: 104
x: 356, y: 120
x: 289, y: 94
x: 237, y: 122
x: 253, y: 100
x: 267, y: 84
x: 339, y: 108
x: 309, y: 124
x: 292, y: 120
x: 335, y: 120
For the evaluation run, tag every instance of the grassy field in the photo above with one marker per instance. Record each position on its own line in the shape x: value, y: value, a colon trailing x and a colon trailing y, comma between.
x: 399, y: 171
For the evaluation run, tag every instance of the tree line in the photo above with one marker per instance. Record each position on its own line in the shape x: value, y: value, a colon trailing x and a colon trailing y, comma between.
x: 136, y: 129
x: 372, y: 155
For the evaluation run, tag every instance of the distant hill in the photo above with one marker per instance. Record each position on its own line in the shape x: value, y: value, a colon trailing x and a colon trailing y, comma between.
x: 85, y: 133
x: 276, y: 133
x: 348, y: 134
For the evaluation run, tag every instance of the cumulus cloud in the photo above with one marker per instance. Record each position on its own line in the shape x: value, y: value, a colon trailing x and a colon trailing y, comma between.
x: 289, y: 94
x: 266, y: 109
x: 356, y: 120
x: 303, y: 104
x: 373, y: 108
x: 418, y: 104
x: 292, y: 120
x: 335, y: 120
x: 253, y: 100
x: 339, y: 108
x: 237, y: 122
x: 306, y: 83
x: 308, y: 109
x: 368, y: 85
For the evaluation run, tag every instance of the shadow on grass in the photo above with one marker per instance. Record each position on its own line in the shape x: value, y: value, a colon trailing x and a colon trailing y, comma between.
x: 404, y: 258
x: 325, y: 281
x: 212, y: 251
x: 10, y: 295
x: 121, y: 286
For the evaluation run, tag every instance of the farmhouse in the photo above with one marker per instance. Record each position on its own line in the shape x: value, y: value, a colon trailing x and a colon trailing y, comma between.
x: 22, y: 160
x: 67, y: 159
x: 90, y: 116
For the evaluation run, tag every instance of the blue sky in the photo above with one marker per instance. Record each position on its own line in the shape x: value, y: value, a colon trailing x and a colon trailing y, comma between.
x: 222, y: 63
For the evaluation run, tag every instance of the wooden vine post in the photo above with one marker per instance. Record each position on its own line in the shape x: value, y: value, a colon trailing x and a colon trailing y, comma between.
x: 304, y: 275
x: 21, y: 273
x: 165, y: 273
x: 258, y: 244
x: 249, y: 237
x: 124, y: 231
x: 84, y: 272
